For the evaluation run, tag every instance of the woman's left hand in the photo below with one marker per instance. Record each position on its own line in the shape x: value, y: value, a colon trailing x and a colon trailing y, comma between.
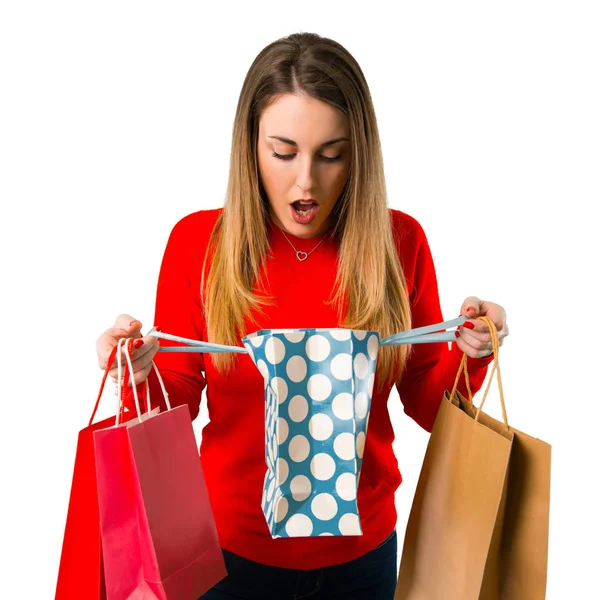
x: 474, y: 337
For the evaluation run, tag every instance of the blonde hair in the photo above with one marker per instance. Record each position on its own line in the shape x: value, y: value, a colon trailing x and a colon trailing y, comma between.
x: 369, y: 275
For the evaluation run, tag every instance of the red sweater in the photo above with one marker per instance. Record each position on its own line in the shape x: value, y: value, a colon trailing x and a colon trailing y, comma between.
x: 232, y: 449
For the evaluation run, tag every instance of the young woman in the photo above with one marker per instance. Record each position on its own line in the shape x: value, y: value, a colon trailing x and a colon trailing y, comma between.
x: 305, y: 239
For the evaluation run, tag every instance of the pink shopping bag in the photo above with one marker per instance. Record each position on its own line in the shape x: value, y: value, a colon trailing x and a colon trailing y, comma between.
x: 159, y: 538
x: 81, y: 571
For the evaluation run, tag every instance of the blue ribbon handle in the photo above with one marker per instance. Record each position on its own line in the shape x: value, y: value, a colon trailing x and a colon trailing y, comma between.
x: 193, y: 345
x: 424, y: 335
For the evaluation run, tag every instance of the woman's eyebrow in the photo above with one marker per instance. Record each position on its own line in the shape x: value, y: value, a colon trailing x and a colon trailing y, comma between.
x: 293, y: 143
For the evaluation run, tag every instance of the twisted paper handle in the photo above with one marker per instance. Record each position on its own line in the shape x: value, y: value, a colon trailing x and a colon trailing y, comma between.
x: 495, y: 369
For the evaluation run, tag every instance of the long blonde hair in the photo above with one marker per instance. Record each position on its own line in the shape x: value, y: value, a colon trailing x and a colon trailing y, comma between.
x: 369, y: 275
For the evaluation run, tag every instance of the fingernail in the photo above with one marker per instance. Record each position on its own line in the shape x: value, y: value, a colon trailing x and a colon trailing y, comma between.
x: 470, y: 308
x: 132, y: 322
x: 468, y: 325
x: 138, y: 344
x: 457, y: 334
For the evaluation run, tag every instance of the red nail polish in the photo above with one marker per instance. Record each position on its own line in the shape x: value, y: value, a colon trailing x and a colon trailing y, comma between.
x: 468, y: 325
x: 138, y: 344
x: 457, y: 334
x: 470, y: 308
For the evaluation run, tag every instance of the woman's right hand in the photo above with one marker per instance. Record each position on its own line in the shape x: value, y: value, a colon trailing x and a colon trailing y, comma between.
x: 144, y: 348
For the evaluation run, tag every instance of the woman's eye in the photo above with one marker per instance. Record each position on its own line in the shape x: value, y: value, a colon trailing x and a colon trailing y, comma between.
x: 290, y: 156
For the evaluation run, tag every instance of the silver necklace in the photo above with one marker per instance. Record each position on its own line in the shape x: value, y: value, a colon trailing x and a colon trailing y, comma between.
x: 301, y: 256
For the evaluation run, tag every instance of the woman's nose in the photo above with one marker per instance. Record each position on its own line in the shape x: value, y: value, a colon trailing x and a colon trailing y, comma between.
x: 306, y: 177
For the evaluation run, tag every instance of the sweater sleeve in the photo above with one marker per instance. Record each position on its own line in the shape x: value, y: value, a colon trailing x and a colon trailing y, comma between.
x: 177, y: 311
x: 431, y: 368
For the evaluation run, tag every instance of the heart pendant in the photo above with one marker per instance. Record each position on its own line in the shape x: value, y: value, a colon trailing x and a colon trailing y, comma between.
x: 301, y: 255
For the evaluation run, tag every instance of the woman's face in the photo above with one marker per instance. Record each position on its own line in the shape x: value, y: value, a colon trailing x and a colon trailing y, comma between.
x: 313, y: 139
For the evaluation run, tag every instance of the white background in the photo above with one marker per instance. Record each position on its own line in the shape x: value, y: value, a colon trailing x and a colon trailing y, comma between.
x: 115, y: 121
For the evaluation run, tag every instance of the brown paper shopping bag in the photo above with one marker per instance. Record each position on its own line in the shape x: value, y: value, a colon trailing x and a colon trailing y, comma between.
x: 478, y: 526
x: 524, y: 547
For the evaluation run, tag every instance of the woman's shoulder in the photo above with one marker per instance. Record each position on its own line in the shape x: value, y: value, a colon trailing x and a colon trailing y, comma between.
x: 189, y: 237
x: 197, y: 223
x: 406, y: 229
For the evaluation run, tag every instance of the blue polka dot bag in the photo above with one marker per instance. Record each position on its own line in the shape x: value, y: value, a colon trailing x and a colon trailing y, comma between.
x: 318, y: 388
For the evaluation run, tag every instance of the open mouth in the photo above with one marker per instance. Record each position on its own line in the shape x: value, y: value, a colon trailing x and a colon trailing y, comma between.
x: 304, y: 212
x: 303, y: 208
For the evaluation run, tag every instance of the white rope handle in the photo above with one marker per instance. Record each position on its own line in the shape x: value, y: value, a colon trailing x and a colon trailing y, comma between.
x: 162, y: 387
x: 160, y: 381
x: 119, y: 375
x: 122, y: 344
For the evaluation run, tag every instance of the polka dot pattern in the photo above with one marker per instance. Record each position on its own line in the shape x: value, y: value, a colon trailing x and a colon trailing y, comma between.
x: 318, y: 389
x: 296, y: 369
x: 361, y: 405
x: 274, y: 350
x: 284, y: 430
x: 317, y: 348
x: 320, y: 427
x: 299, y: 448
x: 343, y: 406
x: 322, y: 466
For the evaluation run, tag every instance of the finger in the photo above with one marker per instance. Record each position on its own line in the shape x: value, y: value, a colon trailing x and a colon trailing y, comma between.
x: 502, y: 334
x: 472, y: 351
x: 495, y: 312
x: 105, y: 345
x: 471, y: 307
x: 139, y: 375
x: 124, y: 326
x: 140, y: 357
x: 480, y: 344
x: 504, y: 331
x: 138, y: 362
x: 479, y: 325
x: 125, y: 321
x: 466, y: 348
x: 477, y: 328
x: 480, y: 328
x: 151, y: 344
x: 127, y: 324
x: 499, y: 325
x: 142, y: 346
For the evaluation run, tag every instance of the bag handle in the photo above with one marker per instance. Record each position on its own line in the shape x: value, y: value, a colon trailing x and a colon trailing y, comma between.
x: 420, y: 335
x: 194, y: 345
x: 111, y: 358
x: 127, y: 345
x: 495, y: 369
x: 424, y: 335
x: 127, y: 349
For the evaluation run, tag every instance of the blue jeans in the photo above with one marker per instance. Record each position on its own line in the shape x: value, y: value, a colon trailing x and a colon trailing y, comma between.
x: 372, y: 576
